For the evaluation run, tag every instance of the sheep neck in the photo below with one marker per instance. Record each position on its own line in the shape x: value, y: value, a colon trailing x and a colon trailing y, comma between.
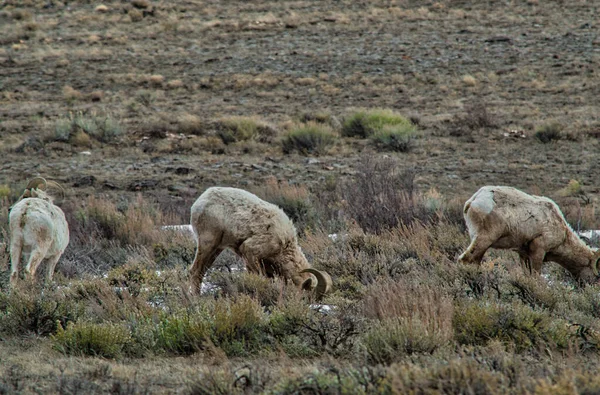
x: 572, y: 254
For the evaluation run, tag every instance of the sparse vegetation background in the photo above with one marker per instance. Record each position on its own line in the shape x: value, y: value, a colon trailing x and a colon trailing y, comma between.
x: 368, y: 123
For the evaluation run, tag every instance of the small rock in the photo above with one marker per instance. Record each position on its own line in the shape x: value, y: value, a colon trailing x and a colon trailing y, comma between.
x: 312, y: 161
x: 102, y: 8
x: 85, y: 153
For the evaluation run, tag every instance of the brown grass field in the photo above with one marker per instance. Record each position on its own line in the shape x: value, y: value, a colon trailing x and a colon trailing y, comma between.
x: 372, y: 120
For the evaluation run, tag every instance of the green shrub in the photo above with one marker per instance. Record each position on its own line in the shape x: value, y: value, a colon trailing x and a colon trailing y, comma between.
x: 479, y: 322
x: 105, y: 340
x: 412, y: 318
x: 549, y: 133
x: 389, y: 340
x: 399, y: 138
x: 28, y: 309
x: 239, y: 326
x: 183, y: 333
x: 365, y: 123
x: 102, y: 128
x: 234, y: 129
x: 310, y: 138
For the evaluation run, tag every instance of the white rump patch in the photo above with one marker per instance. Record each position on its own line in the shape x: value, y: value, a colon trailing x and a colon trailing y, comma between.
x: 484, y: 201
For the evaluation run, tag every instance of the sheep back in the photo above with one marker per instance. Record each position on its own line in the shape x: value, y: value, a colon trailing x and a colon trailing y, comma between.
x: 241, y: 215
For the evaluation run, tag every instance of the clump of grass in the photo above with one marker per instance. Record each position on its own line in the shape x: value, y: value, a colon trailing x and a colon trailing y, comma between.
x: 182, y: 333
x: 238, y: 128
x: 525, y: 327
x: 238, y: 326
x: 411, y: 319
x: 398, y: 138
x: 310, y: 138
x: 135, y: 224
x: 105, y: 340
x: 191, y: 124
x: 75, y: 126
x: 549, y: 132
x: 365, y: 123
x: 27, y: 310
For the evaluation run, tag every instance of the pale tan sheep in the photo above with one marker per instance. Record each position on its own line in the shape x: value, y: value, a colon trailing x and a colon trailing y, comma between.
x: 38, y: 230
x: 507, y: 218
x: 258, y: 231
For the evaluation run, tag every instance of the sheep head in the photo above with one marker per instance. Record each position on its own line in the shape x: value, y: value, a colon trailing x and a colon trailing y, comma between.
x: 37, y: 188
x: 319, y: 280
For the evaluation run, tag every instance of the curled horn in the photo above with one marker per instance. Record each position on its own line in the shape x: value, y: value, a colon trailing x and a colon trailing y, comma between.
x: 57, y: 186
x: 37, y: 183
x: 324, y: 281
x: 596, y: 262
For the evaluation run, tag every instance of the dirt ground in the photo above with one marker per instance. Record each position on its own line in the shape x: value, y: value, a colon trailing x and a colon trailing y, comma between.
x: 529, y: 63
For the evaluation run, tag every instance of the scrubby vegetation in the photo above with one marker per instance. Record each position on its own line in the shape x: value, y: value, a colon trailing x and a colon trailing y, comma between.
x: 402, y: 315
x: 370, y: 123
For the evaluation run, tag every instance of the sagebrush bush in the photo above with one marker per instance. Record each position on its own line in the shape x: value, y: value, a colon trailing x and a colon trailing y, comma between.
x: 77, y: 127
x: 309, y: 139
x: 411, y: 318
x: 398, y: 138
x: 238, y: 128
x: 137, y: 224
x: 381, y: 196
x: 549, y: 132
x: 106, y: 340
x: 526, y: 328
x: 30, y: 309
x: 365, y: 123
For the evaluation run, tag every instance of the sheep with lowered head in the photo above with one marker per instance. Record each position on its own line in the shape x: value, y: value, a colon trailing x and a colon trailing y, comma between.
x: 38, y: 230
x: 507, y: 218
x: 258, y: 231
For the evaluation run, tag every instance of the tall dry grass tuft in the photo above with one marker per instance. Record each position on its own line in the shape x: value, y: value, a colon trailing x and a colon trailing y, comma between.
x: 411, y: 318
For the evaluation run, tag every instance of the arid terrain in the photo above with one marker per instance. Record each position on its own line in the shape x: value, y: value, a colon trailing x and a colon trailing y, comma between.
x: 136, y: 107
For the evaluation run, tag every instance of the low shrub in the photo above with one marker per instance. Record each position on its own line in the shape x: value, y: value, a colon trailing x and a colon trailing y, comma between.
x: 234, y: 129
x: 398, y: 138
x: 411, y: 318
x: 105, y: 340
x: 309, y: 139
x: 365, y: 123
x: 549, y: 132
x: 78, y: 127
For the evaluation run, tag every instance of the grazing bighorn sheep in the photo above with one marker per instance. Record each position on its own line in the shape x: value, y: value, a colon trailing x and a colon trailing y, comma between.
x: 38, y: 230
x: 507, y: 218
x: 257, y: 231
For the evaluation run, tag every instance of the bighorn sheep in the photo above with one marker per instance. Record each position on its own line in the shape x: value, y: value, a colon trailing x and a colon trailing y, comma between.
x: 507, y: 218
x: 258, y: 231
x: 38, y: 230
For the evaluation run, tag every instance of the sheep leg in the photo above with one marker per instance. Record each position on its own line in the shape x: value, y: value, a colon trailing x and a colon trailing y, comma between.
x: 251, y: 250
x: 51, y: 266
x: 206, y: 253
x: 16, y: 248
x: 476, y: 250
x: 536, y: 255
x: 35, y: 259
